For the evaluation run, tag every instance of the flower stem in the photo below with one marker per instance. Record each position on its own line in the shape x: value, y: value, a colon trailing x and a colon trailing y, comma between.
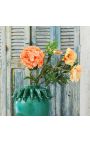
x: 43, y: 69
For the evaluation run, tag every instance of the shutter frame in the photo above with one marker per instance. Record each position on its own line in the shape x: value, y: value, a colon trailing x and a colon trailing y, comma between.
x: 14, y: 66
x: 70, y: 96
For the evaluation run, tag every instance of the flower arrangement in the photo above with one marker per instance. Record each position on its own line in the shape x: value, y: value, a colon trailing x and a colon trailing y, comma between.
x: 65, y: 69
x: 32, y: 100
x: 42, y: 70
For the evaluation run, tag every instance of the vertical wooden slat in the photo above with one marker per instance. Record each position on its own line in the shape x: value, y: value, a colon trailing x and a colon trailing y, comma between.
x: 58, y: 87
x: 0, y: 93
x: 66, y: 100
x: 4, y: 73
x: 85, y: 76
x: 27, y: 35
x: 52, y: 87
x: 77, y: 40
x: 76, y: 86
x: 0, y: 70
x: 19, y: 83
x: 26, y: 43
x: 33, y: 35
x: 58, y: 100
x: 76, y: 99
x: 63, y: 100
x: 8, y: 44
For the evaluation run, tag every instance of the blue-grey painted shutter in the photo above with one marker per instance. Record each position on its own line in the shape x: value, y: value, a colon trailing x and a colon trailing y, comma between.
x: 70, y: 97
x: 67, y: 37
x: 17, y: 38
x: 66, y: 99
x: 41, y: 36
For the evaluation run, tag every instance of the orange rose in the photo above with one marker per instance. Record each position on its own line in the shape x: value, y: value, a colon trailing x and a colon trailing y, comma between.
x: 32, y: 56
x: 75, y: 73
x: 70, y: 57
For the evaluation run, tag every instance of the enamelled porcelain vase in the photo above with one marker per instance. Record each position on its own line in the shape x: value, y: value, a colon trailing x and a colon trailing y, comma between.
x: 32, y: 101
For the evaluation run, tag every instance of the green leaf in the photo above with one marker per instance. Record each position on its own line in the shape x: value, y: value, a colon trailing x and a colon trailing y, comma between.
x: 15, y: 95
x: 31, y: 92
x: 26, y: 77
x: 44, y: 94
x: 20, y: 94
x: 26, y: 93
x: 38, y: 93
x: 51, y: 47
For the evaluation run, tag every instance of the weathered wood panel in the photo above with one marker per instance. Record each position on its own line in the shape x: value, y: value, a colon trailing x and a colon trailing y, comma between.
x: 0, y: 93
x: 0, y: 67
x: 52, y: 87
x: 41, y: 35
x: 58, y: 87
x: 8, y: 44
x: 70, y: 96
x: 17, y: 39
x: 85, y: 78
x: 70, y: 101
x: 65, y: 99
x: 3, y: 72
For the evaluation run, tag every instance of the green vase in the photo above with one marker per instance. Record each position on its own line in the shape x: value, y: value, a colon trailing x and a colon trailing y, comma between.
x: 32, y: 106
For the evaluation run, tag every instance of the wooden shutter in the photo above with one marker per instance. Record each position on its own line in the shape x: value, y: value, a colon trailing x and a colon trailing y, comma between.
x: 17, y: 38
x: 66, y: 99
x: 41, y: 35
x: 67, y: 37
x: 70, y: 97
x: 12, y: 41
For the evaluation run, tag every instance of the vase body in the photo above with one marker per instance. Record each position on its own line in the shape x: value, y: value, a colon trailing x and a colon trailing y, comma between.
x: 31, y: 107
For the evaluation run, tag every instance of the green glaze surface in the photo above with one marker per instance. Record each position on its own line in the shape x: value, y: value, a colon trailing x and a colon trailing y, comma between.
x: 31, y: 107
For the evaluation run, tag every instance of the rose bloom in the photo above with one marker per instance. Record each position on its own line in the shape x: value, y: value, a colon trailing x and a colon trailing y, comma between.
x: 32, y: 56
x: 75, y: 73
x: 70, y: 57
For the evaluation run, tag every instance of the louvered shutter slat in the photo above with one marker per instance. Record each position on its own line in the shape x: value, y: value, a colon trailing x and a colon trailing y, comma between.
x: 42, y: 36
x: 67, y: 37
x: 17, y: 40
